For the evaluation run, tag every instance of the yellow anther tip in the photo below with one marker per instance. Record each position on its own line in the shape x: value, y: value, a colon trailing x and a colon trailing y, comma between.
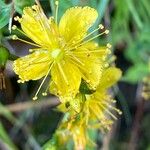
x: 14, y: 37
x: 44, y: 94
x: 34, y: 6
x: 14, y: 27
x: 108, y: 51
x: 106, y: 31
x: 56, y: 2
x: 30, y: 50
x: 35, y: 98
x: 109, y: 45
x: 16, y: 18
x: 101, y: 26
x: 19, y: 81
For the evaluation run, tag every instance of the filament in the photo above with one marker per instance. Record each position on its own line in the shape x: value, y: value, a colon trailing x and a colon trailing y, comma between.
x: 56, y: 12
x: 105, y: 32
x: 99, y: 27
x: 35, y: 97
x: 63, y: 74
x: 14, y: 37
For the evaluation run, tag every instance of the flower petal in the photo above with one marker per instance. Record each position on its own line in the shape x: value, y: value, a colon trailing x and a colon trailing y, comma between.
x: 37, y: 27
x: 67, y: 79
x: 33, y: 66
x: 90, y: 60
x: 109, y: 77
x: 75, y: 23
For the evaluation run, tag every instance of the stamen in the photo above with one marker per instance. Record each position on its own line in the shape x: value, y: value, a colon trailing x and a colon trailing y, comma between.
x: 14, y: 37
x: 45, y: 93
x: 42, y: 18
x: 93, y: 51
x: 14, y: 27
x: 38, y: 49
x: 20, y: 81
x: 56, y: 12
x: 105, y: 32
x: 109, y: 45
x: 63, y: 74
x: 80, y: 66
x: 76, y: 59
x: 35, y: 97
x: 17, y: 18
x: 113, y: 108
x: 105, y: 108
x: 99, y: 27
x: 108, y: 111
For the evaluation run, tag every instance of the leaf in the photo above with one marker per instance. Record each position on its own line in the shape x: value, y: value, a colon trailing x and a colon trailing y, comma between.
x: 5, y: 139
x: 4, y: 54
x: 136, y: 73
x: 5, y: 11
x: 6, y: 113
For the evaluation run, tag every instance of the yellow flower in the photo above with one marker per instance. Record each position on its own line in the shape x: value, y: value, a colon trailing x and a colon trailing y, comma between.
x: 97, y: 109
x: 74, y: 130
x: 64, y: 51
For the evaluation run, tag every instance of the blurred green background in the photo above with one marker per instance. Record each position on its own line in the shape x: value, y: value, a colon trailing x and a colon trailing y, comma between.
x: 26, y: 125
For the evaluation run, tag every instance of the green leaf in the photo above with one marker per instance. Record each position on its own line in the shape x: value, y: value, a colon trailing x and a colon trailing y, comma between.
x: 6, y: 113
x: 4, y: 54
x: 5, y: 11
x: 136, y: 73
x: 84, y: 89
x: 4, y: 137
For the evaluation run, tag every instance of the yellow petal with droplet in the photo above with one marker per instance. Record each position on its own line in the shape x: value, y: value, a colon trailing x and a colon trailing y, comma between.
x: 67, y: 79
x: 36, y: 26
x: 75, y: 22
x: 109, y: 77
x: 33, y: 66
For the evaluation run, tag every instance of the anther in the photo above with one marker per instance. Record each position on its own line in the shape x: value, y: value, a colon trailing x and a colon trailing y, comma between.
x: 34, y: 7
x: 109, y: 45
x: 106, y: 31
x: 108, y: 51
x: 14, y: 27
x: 31, y: 50
x: 101, y: 26
x: 20, y: 81
x: 119, y: 112
x: 44, y: 94
x: 35, y: 98
x: 17, y: 18
x: 106, y: 65
x: 14, y: 37
x: 56, y: 3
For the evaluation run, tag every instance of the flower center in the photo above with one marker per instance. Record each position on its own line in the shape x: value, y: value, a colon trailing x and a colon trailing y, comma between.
x: 57, y: 54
